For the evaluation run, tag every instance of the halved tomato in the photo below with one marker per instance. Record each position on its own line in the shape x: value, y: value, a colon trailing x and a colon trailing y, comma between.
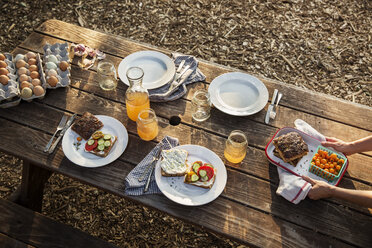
x: 208, y: 169
x: 91, y: 147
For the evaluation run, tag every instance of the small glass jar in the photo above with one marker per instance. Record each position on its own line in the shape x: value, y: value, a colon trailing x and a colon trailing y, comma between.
x: 236, y: 147
x: 147, y: 124
x: 136, y: 97
x: 106, y: 75
x: 201, y: 105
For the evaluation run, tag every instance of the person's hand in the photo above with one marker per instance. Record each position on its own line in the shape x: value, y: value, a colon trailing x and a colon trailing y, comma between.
x: 319, y: 189
x: 338, y: 145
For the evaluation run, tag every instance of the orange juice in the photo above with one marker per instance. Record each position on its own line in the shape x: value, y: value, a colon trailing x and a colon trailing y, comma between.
x: 135, y: 102
x: 236, y: 147
x: 234, y: 156
x: 148, y: 131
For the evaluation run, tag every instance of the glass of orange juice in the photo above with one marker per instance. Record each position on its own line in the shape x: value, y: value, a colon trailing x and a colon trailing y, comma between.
x: 136, y: 97
x: 147, y: 124
x: 236, y: 147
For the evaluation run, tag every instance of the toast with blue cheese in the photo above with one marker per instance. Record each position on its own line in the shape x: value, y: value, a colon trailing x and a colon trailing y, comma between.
x: 173, y: 163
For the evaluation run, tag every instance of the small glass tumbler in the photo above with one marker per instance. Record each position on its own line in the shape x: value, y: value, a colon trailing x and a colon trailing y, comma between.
x: 201, y: 105
x: 147, y: 124
x: 106, y: 74
x: 236, y: 147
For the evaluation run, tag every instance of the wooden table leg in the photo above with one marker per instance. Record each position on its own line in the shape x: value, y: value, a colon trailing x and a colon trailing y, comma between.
x: 30, y: 192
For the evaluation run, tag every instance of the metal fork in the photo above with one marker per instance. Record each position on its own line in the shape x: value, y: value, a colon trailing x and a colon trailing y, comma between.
x: 180, y: 74
x: 273, y: 112
x: 61, y: 124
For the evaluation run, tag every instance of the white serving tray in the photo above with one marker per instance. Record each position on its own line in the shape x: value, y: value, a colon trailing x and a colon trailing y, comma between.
x: 303, y: 165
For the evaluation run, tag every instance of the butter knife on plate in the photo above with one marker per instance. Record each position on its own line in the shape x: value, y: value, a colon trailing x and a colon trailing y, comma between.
x: 271, y: 106
x: 68, y: 124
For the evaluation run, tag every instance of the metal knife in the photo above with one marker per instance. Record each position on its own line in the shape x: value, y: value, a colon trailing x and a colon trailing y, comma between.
x: 271, y: 106
x: 68, y: 124
x: 152, y: 166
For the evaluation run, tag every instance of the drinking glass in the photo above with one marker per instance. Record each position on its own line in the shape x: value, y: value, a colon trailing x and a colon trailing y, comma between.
x: 106, y: 74
x: 236, y: 147
x: 147, y: 124
x: 201, y: 105
x: 136, y: 97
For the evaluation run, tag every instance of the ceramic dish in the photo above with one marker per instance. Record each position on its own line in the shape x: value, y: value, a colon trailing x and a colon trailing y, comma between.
x: 85, y: 159
x: 158, y: 68
x: 176, y: 190
x: 239, y: 94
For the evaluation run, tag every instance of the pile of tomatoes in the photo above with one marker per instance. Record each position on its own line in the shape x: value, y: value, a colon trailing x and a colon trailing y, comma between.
x: 328, y: 162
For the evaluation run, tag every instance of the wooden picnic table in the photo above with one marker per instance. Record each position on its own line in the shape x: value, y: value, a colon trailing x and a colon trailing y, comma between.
x: 248, y: 210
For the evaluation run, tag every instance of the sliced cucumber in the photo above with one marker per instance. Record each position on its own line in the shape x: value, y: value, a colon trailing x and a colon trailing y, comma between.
x: 101, y: 147
x: 90, y: 142
x: 202, y: 173
x: 195, y: 167
x: 194, y: 178
x: 107, y: 143
x: 205, y: 178
x: 107, y: 136
x: 101, y: 141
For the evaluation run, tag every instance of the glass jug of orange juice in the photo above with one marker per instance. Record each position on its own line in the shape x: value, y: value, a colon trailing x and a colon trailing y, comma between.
x: 236, y: 147
x: 136, y: 97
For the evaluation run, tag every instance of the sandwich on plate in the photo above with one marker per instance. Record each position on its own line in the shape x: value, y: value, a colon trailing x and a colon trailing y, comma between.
x: 201, y: 175
x: 173, y: 163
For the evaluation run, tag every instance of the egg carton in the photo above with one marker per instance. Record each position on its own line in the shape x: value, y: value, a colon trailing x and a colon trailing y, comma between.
x: 39, y: 64
x: 53, y: 56
x: 9, y: 93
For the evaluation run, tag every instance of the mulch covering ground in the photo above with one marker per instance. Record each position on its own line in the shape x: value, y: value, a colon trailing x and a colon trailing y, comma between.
x: 323, y: 46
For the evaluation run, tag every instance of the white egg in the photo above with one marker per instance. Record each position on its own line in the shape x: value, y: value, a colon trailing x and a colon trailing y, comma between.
x: 52, y: 72
x: 51, y: 65
x: 52, y: 58
x: 18, y: 57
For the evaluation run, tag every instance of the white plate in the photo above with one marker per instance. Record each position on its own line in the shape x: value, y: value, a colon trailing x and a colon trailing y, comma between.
x: 302, y: 167
x: 176, y: 190
x: 85, y: 159
x: 158, y: 68
x: 237, y: 93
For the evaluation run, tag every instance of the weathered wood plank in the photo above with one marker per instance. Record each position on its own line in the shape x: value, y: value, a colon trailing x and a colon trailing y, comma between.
x: 8, y: 242
x: 32, y: 228
x: 277, y: 207
x: 285, y: 117
x: 304, y: 100
x: 222, y: 215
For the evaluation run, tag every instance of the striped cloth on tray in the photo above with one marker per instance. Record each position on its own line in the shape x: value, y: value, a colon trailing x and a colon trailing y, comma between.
x: 132, y: 185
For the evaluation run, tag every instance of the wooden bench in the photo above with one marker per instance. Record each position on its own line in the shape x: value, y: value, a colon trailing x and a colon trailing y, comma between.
x: 22, y: 227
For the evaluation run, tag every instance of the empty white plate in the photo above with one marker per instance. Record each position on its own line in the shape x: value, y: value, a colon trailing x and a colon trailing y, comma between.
x: 158, y: 68
x: 237, y: 93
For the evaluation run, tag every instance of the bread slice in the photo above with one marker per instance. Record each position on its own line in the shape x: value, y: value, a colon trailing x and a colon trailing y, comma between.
x: 207, y: 184
x: 173, y: 163
x: 106, y: 151
x: 293, y: 162
x: 290, y: 146
x: 86, y: 125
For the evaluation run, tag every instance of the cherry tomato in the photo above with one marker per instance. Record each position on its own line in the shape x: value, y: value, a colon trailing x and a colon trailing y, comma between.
x: 338, y: 167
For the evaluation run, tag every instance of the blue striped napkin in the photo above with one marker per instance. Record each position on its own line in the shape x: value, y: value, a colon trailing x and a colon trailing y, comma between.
x: 195, y: 76
x: 135, y: 187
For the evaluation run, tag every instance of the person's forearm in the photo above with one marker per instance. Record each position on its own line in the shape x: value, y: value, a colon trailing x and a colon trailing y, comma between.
x: 360, y: 197
x: 361, y: 145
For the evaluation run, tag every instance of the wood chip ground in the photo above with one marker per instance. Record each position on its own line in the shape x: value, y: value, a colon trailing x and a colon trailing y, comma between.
x: 320, y: 45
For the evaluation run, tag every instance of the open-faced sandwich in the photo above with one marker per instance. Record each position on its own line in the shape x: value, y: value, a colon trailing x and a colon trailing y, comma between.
x: 100, y: 144
x: 173, y: 163
x: 201, y: 175
x: 86, y: 125
x: 290, y: 147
